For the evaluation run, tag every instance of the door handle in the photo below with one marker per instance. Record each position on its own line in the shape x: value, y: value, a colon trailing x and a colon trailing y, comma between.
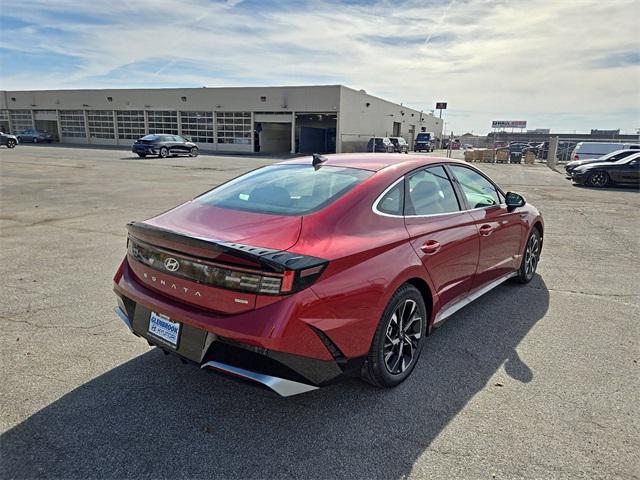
x: 430, y: 247
x: 486, y: 230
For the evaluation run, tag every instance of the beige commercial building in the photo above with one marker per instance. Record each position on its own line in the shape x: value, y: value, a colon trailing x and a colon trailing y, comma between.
x: 303, y: 119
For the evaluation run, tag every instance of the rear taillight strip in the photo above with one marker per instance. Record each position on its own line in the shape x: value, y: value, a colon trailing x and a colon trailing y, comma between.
x: 203, y: 272
x: 298, y: 271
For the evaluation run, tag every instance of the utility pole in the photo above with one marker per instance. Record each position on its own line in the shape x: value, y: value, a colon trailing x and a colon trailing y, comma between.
x: 441, y: 106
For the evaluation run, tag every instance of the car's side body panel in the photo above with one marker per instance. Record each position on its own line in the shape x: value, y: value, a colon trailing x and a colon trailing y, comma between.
x: 452, y: 266
x: 500, y: 246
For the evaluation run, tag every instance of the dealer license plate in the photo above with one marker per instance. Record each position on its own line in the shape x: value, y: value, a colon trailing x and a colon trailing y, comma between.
x: 162, y: 327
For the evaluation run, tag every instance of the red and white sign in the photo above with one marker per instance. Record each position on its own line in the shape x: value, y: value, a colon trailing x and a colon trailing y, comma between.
x: 509, y: 124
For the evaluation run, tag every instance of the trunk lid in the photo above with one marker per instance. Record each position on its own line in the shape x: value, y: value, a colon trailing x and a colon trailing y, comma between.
x: 214, y: 223
x: 219, y: 259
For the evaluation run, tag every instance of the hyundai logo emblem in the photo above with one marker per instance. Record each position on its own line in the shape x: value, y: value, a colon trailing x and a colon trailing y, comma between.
x: 171, y: 264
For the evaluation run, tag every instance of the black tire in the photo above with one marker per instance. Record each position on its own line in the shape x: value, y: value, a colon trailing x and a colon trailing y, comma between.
x: 34, y: 139
x: 194, y: 152
x: 385, y: 365
x: 142, y: 155
x: 164, y: 152
x: 11, y: 143
x: 19, y: 139
x: 530, y: 258
x: 598, y: 179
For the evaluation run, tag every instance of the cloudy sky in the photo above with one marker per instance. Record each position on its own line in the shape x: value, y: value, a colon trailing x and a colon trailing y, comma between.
x: 560, y: 64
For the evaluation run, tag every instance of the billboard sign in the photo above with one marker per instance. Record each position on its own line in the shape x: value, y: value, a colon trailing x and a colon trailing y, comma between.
x: 509, y: 124
x: 441, y: 105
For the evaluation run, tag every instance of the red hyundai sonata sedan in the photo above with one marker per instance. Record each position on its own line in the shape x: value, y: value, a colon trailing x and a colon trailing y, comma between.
x: 296, y: 274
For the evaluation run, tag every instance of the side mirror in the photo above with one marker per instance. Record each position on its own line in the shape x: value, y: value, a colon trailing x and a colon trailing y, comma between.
x: 514, y: 200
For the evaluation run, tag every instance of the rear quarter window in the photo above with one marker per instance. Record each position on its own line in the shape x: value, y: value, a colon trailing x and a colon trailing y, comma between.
x: 392, y: 202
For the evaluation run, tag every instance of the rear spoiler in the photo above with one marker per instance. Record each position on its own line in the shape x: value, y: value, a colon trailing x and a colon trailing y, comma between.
x: 273, y: 260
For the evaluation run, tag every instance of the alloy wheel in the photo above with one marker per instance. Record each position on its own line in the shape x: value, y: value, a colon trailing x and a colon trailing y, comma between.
x: 598, y: 179
x: 531, y: 256
x: 402, y: 337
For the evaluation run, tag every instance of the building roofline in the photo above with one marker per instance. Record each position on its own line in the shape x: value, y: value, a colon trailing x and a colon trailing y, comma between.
x: 172, y: 88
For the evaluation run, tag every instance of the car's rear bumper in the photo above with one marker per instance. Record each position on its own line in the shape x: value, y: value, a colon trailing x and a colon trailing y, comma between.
x: 239, y: 345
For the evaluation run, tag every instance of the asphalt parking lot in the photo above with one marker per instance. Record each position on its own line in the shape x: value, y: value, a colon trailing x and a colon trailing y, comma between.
x: 538, y: 381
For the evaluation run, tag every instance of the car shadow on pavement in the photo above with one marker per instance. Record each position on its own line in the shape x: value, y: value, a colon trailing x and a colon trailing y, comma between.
x: 153, y: 417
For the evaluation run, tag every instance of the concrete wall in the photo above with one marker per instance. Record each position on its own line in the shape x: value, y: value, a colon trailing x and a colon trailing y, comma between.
x: 276, y: 99
x: 363, y: 116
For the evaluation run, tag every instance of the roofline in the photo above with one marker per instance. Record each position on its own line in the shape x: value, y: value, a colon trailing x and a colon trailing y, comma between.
x: 176, y: 88
x: 386, y: 101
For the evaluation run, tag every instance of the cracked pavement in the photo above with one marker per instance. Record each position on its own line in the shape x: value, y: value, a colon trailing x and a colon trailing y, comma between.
x: 540, y: 381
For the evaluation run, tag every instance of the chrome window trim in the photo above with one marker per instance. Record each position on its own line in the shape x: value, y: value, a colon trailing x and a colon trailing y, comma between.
x: 375, y: 210
x: 374, y: 207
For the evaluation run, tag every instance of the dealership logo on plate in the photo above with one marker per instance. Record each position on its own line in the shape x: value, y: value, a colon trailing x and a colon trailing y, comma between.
x: 171, y: 264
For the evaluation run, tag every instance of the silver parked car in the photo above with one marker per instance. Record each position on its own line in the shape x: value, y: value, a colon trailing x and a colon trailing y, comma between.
x: 9, y: 140
x: 34, y: 136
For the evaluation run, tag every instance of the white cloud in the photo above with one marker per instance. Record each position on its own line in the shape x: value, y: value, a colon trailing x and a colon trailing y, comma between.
x: 558, y: 64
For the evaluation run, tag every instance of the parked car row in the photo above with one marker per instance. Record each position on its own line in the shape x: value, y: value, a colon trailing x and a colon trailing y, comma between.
x: 621, y: 167
x: 387, y: 145
x: 31, y: 135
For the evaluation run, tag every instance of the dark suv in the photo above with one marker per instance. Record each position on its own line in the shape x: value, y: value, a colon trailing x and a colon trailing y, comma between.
x: 164, y: 145
x: 380, y: 144
x: 400, y: 145
x: 424, y: 141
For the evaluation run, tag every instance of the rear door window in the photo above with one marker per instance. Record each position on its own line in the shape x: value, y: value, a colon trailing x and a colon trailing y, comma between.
x: 430, y: 192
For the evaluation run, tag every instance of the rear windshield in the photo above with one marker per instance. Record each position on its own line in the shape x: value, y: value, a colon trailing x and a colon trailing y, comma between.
x: 285, y: 189
x: 423, y: 137
x: 151, y: 137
